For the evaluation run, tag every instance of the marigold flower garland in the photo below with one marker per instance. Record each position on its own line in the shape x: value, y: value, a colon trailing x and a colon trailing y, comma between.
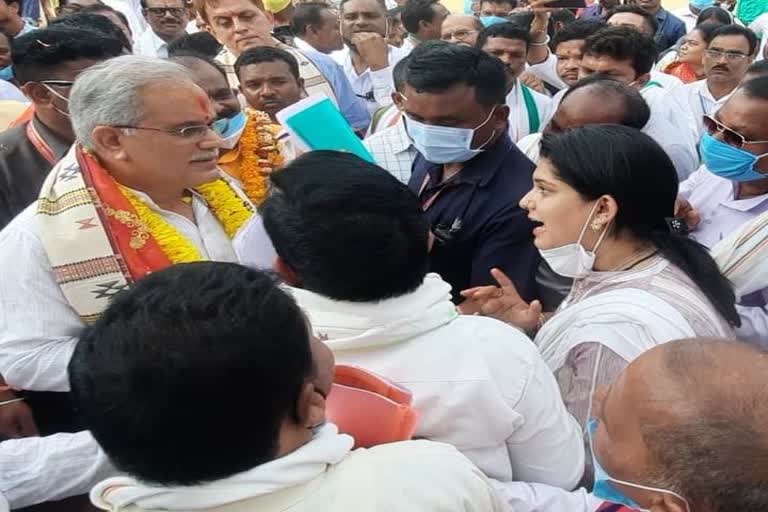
x: 260, y: 154
x: 229, y: 208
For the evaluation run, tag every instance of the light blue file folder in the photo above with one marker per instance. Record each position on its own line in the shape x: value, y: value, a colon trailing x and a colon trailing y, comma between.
x: 316, y: 123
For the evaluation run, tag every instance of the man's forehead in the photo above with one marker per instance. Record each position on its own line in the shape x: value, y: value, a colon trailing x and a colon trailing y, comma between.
x: 734, y: 42
x: 362, y: 6
x: 232, y: 8
x: 165, y: 3
x: 746, y: 115
x: 459, y: 21
x: 177, y: 104
x: 266, y: 69
x: 503, y: 42
x: 457, y: 101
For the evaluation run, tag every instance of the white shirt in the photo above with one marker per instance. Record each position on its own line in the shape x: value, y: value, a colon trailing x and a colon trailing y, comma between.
x: 303, y: 45
x: 8, y: 91
x: 721, y: 215
x: 478, y: 383
x: 392, y: 149
x: 133, y: 12
x: 375, y: 88
x: 671, y: 130
x: 38, y: 469
x: 150, y: 45
x: 519, y: 125
x: 667, y: 81
x: 547, y: 71
x: 38, y: 327
x: 685, y: 14
x: 695, y: 100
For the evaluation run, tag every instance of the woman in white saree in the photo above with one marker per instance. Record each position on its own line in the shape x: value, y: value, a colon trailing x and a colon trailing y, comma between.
x: 604, y: 197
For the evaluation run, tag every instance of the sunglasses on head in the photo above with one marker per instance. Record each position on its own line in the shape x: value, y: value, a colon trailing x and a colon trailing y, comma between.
x: 730, y: 136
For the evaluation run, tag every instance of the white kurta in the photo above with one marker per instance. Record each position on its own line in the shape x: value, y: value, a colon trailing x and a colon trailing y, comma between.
x: 519, y: 125
x: 150, y: 45
x: 374, y: 87
x: 38, y: 327
x: 694, y: 101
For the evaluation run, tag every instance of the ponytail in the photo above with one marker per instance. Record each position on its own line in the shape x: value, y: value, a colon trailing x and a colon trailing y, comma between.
x: 694, y: 259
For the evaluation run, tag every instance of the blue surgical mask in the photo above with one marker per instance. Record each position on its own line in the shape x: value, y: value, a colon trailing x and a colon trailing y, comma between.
x: 487, y: 21
x: 230, y: 129
x: 728, y: 161
x: 606, y: 491
x: 444, y: 144
x: 6, y: 73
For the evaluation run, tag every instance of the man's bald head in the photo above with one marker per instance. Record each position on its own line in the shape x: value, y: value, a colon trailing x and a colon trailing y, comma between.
x: 600, y: 100
x: 702, y: 412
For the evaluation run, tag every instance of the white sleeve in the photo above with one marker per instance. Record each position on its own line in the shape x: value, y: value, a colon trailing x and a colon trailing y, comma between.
x: 547, y: 71
x: 383, y: 85
x: 38, y: 469
x: 754, y: 325
x: 689, y: 185
x: 38, y: 328
x: 549, y: 446
x: 525, y: 497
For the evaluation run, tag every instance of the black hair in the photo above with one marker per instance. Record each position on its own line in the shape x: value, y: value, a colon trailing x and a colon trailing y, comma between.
x: 631, y: 167
x: 100, y: 7
x: 201, y: 43
x: 188, y: 59
x: 382, y: 4
x: 716, y: 13
x: 325, y: 201
x: 261, y: 54
x: 636, y: 110
x: 511, y: 3
x: 399, y: 72
x: 650, y: 19
x: 738, y: 30
x: 37, y: 53
x: 307, y: 14
x: 435, y: 66
x: 759, y: 67
x: 504, y: 31
x: 186, y: 352
x: 94, y: 22
x: 624, y: 43
x: 416, y: 11
x: 395, y: 11
x: 522, y: 19
x: 757, y: 87
x: 579, y: 29
x: 707, y: 31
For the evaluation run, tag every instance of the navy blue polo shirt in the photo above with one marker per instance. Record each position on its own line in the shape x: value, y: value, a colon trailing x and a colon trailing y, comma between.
x: 476, y: 219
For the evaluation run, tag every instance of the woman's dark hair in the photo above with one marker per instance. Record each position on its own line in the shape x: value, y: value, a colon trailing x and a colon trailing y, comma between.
x: 714, y: 14
x: 629, y: 166
x: 707, y: 31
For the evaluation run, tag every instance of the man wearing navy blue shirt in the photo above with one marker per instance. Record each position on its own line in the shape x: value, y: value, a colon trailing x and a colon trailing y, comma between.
x: 671, y: 28
x: 468, y: 175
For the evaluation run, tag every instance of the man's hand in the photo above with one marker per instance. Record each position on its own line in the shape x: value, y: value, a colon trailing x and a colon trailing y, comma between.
x: 533, y: 82
x: 16, y: 418
x: 688, y: 213
x: 373, y: 48
x: 502, y: 302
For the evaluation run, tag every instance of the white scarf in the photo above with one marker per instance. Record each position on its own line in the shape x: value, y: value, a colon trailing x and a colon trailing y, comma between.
x: 327, y: 448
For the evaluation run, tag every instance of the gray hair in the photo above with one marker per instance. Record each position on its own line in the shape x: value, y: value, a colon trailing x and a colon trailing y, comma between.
x: 109, y: 93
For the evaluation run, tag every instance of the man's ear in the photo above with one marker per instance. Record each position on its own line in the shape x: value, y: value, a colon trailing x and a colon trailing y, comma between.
x: 37, y: 93
x: 108, y: 141
x: 500, y: 117
x: 642, y: 80
x: 310, y: 407
x: 285, y: 272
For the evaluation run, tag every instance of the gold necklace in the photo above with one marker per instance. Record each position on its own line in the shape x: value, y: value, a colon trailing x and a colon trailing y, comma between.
x: 634, y: 260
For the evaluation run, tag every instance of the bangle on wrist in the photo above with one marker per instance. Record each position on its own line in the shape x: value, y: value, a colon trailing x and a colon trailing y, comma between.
x: 543, y: 43
x: 11, y: 401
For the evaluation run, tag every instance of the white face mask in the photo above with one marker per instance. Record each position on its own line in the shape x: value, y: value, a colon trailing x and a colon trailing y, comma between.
x: 573, y: 260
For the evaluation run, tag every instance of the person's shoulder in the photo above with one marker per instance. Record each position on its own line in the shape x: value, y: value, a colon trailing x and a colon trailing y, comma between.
x: 492, y: 339
x: 22, y: 230
x: 12, y: 141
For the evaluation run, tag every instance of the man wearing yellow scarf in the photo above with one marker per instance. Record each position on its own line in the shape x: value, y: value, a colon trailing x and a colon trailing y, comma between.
x: 138, y: 192
x: 250, y: 149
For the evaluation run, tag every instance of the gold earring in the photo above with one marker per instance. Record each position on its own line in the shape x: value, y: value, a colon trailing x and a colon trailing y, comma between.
x: 596, y: 225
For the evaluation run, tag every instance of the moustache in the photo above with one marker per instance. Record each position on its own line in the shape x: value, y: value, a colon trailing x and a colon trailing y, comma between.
x: 205, y: 156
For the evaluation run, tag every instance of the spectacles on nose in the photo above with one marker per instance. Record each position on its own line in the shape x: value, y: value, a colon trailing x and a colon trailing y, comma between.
x: 459, y: 34
x: 730, y: 136
x: 188, y: 132
x: 176, y: 12
x: 729, y: 56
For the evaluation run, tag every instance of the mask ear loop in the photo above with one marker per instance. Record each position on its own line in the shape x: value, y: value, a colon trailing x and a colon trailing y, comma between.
x: 584, y: 230
x: 481, y: 146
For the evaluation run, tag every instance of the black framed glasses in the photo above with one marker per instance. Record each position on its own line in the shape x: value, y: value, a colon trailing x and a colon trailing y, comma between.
x: 729, y: 56
x: 176, y: 12
x: 188, y: 132
x: 730, y: 136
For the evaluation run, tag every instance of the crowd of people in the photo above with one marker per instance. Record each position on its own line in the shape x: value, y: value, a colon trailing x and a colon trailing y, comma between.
x: 555, y: 246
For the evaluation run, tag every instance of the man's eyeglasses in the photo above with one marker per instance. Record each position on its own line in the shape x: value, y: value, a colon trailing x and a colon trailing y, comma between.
x: 58, y: 83
x: 729, y: 56
x: 459, y: 34
x: 176, y: 12
x: 730, y: 136
x: 188, y: 132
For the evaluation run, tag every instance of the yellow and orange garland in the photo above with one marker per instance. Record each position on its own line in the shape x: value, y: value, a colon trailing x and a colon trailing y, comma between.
x: 225, y: 204
x: 259, y: 154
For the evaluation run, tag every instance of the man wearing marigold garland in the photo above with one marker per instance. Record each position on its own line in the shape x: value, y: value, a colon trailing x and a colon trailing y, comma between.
x: 138, y: 192
x: 250, y: 150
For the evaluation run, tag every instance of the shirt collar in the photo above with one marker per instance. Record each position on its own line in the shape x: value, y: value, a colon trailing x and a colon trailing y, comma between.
x: 58, y: 146
x: 157, y: 42
x: 482, y: 168
x: 661, y: 15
